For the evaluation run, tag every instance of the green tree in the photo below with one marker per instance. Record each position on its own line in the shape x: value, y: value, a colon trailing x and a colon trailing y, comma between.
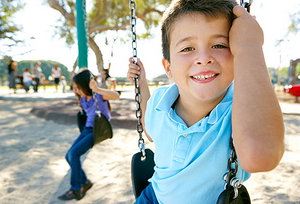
x: 106, y: 16
x: 295, y: 23
x: 46, y: 66
x: 7, y: 27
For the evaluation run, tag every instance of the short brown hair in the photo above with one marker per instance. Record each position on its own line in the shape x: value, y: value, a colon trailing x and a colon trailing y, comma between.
x: 209, y: 8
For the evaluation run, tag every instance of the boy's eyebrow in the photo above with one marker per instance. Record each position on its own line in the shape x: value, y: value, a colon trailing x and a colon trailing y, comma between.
x: 193, y: 37
x: 220, y: 36
x: 185, y: 39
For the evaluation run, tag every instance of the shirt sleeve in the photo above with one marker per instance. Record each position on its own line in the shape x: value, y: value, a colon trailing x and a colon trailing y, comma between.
x: 150, y: 110
x: 99, y: 99
x: 148, y: 116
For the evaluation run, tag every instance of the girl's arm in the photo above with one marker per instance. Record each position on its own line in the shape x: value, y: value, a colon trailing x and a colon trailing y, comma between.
x: 106, y: 94
x: 138, y: 70
x: 257, y: 121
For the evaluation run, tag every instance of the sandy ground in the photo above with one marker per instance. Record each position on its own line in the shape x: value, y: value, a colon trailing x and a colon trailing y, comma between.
x: 33, y: 168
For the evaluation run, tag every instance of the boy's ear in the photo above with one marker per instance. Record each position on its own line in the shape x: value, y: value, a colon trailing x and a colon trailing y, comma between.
x: 167, y: 67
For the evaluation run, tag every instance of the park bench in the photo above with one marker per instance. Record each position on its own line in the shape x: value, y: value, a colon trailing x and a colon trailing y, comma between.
x: 19, y: 82
x: 46, y: 83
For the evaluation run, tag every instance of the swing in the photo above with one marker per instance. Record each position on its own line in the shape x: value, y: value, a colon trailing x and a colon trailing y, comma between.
x: 142, y: 163
x: 102, y: 129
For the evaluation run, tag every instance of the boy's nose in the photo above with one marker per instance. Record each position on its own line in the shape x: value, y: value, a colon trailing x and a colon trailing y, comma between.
x: 204, y: 58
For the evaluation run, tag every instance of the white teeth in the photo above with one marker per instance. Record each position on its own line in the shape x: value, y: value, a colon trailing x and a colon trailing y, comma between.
x: 202, y: 77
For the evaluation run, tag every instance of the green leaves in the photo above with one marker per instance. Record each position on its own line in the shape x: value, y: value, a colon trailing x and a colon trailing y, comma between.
x: 295, y: 24
x: 7, y: 27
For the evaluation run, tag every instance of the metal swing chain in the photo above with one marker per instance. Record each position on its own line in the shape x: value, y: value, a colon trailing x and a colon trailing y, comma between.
x: 246, y: 4
x: 138, y: 113
x: 98, y: 112
x: 230, y: 176
x: 232, y: 161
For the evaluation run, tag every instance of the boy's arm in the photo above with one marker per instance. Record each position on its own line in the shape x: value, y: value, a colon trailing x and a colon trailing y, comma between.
x: 257, y: 121
x: 106, y: 94
x: 134, y: 71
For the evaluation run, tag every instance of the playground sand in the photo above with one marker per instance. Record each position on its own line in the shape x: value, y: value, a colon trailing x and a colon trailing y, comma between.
x: 33, y: 168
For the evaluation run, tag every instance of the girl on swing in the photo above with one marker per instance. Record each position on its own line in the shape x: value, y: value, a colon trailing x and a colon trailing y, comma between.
x: 206, y: 45
x: 84, y: 87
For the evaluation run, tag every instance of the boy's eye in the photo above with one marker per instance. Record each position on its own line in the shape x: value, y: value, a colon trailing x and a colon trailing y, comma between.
x: 219, y: 46
x: 187, y: 49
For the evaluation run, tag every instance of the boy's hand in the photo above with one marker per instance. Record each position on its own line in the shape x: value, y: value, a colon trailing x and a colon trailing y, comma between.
x: 136, y: 70
x: 93, y: 85
x: 245, y: 32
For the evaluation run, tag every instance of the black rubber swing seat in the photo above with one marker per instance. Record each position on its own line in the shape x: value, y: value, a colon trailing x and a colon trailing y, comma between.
x: 141, y: 171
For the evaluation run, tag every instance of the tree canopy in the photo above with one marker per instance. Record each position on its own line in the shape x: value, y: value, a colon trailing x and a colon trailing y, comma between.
x: 8, y: 28
x: 107, y: 15
x: 295, y: 22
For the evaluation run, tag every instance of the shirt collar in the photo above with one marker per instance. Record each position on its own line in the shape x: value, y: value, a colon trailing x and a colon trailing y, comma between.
x: 172, y: 93
x: 218, y: 111
x: 168, y: 98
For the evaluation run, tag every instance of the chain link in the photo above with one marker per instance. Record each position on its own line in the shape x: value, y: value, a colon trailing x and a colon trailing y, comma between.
x: 138, y: 113
x: 232, y: 166
x: 232, y: 161
x: 98, y: 112
x: 246, y: 4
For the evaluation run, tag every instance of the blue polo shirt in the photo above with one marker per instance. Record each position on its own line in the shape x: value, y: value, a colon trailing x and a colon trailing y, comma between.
x: 190, y: 162
x: 90, y: 109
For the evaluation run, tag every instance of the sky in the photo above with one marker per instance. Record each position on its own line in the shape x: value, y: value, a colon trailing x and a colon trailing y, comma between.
x: 39, y: 20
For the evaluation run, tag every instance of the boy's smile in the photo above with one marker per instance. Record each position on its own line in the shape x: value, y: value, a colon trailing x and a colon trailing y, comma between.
x: 205, y: 77
x: 201, y: 63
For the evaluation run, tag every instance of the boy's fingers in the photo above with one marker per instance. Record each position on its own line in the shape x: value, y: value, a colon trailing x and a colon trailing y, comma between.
x: 239, y: 11
x: 139, y: 62
x: 134, y: 67
x: 133, y: 71
x: 131, y: 76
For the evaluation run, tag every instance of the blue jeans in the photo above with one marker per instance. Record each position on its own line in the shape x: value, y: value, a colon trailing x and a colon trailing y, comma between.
x: 27, y: 85
x: 147, y: 196
x: 36, y: 85
x: 82, y: 144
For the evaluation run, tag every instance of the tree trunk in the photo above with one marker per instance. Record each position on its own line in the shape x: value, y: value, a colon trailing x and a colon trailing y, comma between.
x: 74, y: 67
x: 99, y: 57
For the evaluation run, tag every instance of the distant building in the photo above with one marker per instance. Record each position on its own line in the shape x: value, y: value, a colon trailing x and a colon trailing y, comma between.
x: 161, y: 80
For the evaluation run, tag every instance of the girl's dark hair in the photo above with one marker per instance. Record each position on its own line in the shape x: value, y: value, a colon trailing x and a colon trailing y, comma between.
x: 82, y: 80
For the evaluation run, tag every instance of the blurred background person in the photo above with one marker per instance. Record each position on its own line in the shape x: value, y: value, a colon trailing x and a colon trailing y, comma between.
x: 63, y: 84
x: 37, y: 72
x: 56, y: 74
x: 27, y: 79
x: 12, y: 73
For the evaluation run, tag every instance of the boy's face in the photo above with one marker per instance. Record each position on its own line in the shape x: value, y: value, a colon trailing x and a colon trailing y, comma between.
x: 201, y: 63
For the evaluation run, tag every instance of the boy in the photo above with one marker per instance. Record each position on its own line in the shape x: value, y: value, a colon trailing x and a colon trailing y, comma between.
x: 191, y: 121
x: 37, y: 73
x: 27, y: 79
